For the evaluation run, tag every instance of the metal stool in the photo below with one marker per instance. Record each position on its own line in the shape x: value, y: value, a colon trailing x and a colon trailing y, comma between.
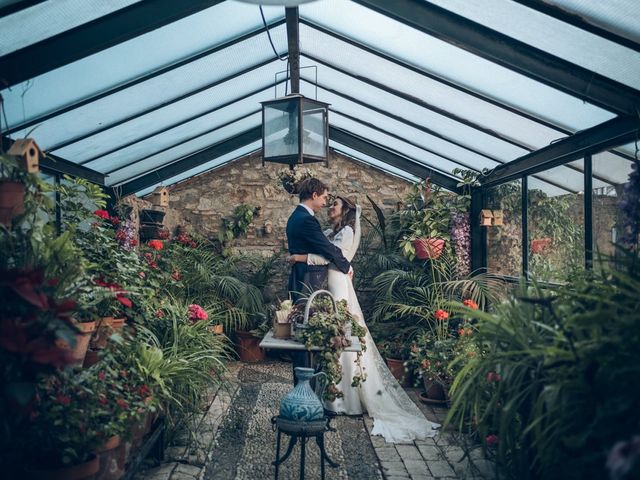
x: 302, y: 430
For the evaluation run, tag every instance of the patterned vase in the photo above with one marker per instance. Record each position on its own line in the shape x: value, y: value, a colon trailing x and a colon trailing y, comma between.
x: 302, y: 404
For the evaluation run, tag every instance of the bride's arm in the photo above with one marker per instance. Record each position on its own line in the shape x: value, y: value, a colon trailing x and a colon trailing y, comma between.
x: 343, y: 240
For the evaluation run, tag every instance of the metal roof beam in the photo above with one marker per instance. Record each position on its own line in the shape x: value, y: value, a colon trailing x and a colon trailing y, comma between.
x: 192, y: 161
x: 578, y: 21
x: 391, y: 158
x: 609, y: 134
x: 515, y: 55
x: 138, y: 80
x: 16, y: 6
x: 95, y: 36
x: 59, y: 165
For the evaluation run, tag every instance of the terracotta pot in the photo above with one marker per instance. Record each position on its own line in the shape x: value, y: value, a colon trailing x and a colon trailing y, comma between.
x: 79, y: 351
x: 84, y: 471
x: 435, y: 390
x: 109, y: 455
x: 217, y: 329
x: 11, y: 201
x: 428, y: 248
x: 248, y: 349
x: 396, y: 367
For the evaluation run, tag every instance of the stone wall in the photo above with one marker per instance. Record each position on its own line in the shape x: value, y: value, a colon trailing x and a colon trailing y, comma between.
x: 200, y: 203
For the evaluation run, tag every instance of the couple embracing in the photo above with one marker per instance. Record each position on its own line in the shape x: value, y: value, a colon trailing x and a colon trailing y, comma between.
x: 318, y: 256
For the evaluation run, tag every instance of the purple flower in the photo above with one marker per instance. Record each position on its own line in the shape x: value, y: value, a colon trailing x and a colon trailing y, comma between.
x: 630, y: 208
x: 461, y: 237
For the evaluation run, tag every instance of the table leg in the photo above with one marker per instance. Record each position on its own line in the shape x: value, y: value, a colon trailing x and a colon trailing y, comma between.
x: 303, y: 442
x: 292, y: 442
x: 323, y: 452
x: 277, y: 463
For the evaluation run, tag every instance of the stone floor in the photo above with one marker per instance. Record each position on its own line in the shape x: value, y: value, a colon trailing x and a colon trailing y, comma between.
x: 234, y: 440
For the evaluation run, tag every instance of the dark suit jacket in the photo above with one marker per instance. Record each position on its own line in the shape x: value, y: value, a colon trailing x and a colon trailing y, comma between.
x: 305, y: 235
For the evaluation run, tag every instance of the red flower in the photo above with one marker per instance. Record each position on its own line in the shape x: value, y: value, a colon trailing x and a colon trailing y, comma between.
x: 122, y: 403
x: 156, y: 244
x: 153, y: 265
x: 461, y: 332
x: 193, y: 244
x: 159, y: 313
x: 115, y: 220
x: 176, y: 275
x: 491, y: 440
x: 102, y: 376
x: 441, y: 315
x: 493, y: 377
x: 141, y: 274
x: 125, y: 301
x: 102, y: 214
x: 144, y: 391
x: 133, y: 242
x: 63, y: 399
x: 102, y: 399
x: 470, y: 304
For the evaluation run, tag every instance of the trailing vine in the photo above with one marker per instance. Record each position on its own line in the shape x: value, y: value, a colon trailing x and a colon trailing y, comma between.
x: 327, y: 330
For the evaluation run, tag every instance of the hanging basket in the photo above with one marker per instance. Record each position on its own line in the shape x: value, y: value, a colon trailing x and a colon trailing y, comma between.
x: 428, y: 248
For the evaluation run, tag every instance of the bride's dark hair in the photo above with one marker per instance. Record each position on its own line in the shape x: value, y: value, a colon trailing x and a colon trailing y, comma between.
x: 348, y: 215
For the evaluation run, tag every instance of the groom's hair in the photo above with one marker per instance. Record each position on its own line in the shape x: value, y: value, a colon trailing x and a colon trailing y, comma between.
x: 308, y: 187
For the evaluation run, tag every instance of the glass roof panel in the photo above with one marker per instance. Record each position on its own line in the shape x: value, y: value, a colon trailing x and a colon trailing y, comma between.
x: 180, y: 151
x: 452, y: 129
x: 196, y: 105
x: 373, y: 162
x: 610, y: 169
x: 547, y: 188
x: 617, y: 16
x: 147, y: 53
x: 454, y: 64
x: 214, y: 163
x: 47, y: 19
x: 554, y: 36
x: 360, y: 62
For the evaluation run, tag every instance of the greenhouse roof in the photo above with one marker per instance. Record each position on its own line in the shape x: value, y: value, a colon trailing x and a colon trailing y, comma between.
x: 137, y: 93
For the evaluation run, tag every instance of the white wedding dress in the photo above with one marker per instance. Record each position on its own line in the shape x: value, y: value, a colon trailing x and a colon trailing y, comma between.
x: 395, y: 416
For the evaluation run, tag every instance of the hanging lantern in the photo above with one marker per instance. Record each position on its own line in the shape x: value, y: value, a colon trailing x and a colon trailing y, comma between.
x: 295, y: 130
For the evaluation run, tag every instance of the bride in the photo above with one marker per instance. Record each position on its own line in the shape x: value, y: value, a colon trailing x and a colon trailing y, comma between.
x: 395, y: 416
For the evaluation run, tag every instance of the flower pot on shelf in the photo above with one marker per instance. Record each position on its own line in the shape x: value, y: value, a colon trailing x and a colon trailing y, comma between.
x: 109, y: 454
x: 427, y: 248
x: 396, y: 367
x: 91, y: 358
x: 151, y: 216
x: 83, y: 471
x: 435, y: 391
x: 79, y: 350
x: 11, y: 201
x: 248, y: 347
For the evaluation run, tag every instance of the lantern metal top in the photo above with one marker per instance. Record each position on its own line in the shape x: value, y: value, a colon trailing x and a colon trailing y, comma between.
x: 295, y: 130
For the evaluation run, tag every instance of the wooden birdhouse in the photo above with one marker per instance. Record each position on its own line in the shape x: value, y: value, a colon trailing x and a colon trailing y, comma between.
x: 486, y: 218
x: 28, y: 153
x: 160, y: 197
x: 497, y: 218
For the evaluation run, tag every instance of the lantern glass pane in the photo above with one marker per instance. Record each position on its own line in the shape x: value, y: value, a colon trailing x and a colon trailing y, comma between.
x: 281, y: 128
x: 314, y: 134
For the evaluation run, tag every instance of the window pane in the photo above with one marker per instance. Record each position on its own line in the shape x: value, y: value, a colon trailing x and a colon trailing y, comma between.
x: 504, y: 242
x: 556, y: 233
x: 606, y: 214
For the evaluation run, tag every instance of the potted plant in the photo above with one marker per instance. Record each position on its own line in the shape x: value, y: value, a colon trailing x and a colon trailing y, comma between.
x: 395, y: 351
x: 427, y: 216
x: 248, y: 341
x: 290, y: 178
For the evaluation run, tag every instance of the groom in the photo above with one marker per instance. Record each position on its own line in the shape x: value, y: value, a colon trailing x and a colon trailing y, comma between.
x: 305, y: 235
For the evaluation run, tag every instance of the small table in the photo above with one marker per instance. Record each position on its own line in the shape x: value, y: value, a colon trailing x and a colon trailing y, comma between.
x: 269, y: 342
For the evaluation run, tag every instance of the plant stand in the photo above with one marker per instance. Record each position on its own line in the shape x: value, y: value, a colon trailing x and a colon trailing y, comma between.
x: 301, y: 431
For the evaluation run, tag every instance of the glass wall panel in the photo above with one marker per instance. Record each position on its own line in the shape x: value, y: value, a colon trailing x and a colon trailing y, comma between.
x: 607, y: 219
x: 504, y: 242
x: 556, y: 233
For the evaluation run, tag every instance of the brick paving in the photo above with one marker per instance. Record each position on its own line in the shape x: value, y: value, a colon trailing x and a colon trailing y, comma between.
x: 243, y: 408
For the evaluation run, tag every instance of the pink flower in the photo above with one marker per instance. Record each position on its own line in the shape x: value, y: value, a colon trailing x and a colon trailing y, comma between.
x: 196, y: 312
x: 63, y: 399
x: 493, y: 377
x: 491, y: 440
x: 125, y: 301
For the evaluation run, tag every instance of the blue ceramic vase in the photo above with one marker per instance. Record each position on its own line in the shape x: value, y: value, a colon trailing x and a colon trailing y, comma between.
x: 302, y: 404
